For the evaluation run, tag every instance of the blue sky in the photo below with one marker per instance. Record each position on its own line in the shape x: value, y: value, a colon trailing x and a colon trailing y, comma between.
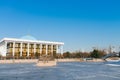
x: 80, y: 24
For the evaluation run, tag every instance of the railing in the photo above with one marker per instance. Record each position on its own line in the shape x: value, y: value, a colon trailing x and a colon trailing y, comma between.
x: 46, y: 58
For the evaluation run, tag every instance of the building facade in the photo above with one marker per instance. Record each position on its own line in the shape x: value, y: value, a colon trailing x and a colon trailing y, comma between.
x: 29, y: 48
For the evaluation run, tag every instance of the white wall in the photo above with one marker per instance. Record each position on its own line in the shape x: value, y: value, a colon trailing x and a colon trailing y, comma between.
x: 3, y: 49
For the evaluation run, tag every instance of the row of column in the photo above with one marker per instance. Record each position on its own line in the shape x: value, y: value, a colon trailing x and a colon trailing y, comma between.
x: 28, y: 45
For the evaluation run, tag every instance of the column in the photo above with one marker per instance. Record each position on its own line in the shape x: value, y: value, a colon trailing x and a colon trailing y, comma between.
x: 34, y: 48
x: 5, y: 48
x: 56, y: 49
x: 40, y: 49
x: 13, y: 49
x: 21, y: 49
x: 61, y: 50
x: 52, y: 49
x: 28, y: 49
x: 46, y: 49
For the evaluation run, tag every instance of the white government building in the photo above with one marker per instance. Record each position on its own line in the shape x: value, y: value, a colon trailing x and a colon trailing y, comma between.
x: 28, y: 46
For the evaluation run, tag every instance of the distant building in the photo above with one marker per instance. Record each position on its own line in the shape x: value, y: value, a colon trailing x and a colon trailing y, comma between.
x: 28, y: 47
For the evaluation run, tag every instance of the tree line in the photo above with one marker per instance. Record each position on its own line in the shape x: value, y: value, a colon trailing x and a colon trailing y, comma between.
x: 78, y: 54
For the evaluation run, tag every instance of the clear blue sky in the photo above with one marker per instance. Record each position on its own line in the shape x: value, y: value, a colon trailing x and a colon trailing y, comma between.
x: 80, y: 24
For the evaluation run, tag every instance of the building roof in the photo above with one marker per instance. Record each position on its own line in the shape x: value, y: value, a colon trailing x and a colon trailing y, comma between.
x: 30, y: 39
